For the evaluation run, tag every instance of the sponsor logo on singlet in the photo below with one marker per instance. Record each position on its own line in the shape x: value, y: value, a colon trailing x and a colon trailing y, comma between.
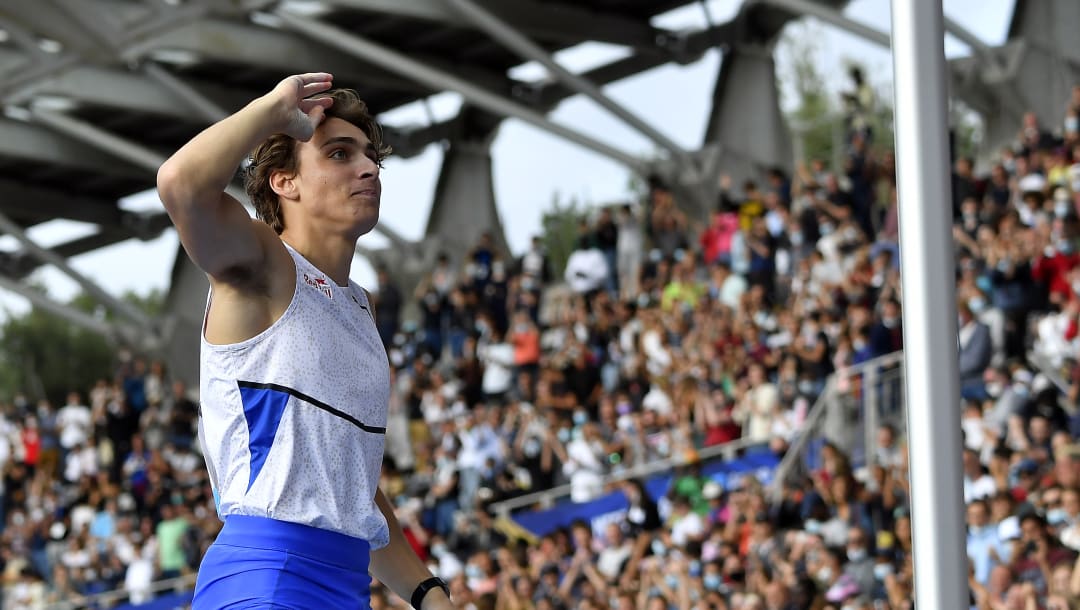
x: 319, y: 284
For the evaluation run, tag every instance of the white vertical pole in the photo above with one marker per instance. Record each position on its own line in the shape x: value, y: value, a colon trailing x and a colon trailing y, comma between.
x: 929, y: 299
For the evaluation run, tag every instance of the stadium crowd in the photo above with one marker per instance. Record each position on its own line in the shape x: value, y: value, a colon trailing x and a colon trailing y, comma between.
x: 662, y: 338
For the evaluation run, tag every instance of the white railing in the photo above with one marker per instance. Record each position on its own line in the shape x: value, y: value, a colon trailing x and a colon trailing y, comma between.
x: 109, y: 599
x: 547, y: 498
x: 878, y: 379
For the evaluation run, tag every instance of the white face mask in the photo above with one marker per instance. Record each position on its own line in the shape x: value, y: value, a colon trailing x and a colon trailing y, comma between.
x: 856, y: 555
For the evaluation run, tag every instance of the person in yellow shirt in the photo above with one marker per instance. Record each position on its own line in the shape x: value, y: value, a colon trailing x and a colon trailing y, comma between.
x: 683, y: 289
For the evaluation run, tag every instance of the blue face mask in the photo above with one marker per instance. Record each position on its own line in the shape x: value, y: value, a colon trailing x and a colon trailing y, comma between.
x: 882, y: 570
x: 1057, y: 516
x: 658, y: 548
x: 711, y: 582
x: 672, y: 581
x: 695, y: 568
x: 580, y: 417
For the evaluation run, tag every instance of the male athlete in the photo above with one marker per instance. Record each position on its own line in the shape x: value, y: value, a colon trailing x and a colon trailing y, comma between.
x: 294, y: 379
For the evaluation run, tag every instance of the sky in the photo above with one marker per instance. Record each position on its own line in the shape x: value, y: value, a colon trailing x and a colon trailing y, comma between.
x: 530, y: 166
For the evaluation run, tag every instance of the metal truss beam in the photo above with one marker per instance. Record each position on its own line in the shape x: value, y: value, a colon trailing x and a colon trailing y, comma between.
x: 39, y: 204
x: 186, y: 92
x: 549, y: 95
x: 107, y: 87
x: 547, y: 21
x: 12, y: 61
x: 506, y: 34
x: 119, y: 306
x: 983, y: 51
x: 131, y: 152
x: 272, y: 50
x: 440, y: 80
x: 35, y: 143
x: 75, y: 316
x: 54, y: 23
x: 832, y: 17
x: 986, y: 54
x: 21, y: 265
x: 108, y: 236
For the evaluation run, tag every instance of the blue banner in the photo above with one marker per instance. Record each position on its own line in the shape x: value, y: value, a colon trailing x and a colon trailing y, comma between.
x: 757, y: 463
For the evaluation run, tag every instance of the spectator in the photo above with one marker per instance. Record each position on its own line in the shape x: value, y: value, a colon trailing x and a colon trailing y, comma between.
x: 388, y: 303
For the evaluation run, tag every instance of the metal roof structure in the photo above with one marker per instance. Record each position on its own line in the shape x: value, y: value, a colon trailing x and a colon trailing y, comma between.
x: 96, y: 93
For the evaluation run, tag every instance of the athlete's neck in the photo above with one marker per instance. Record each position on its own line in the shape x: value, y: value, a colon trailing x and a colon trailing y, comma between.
x: 333, y: 256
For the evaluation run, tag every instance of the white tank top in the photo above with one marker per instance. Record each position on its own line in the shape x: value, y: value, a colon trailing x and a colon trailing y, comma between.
x: 294, y: 419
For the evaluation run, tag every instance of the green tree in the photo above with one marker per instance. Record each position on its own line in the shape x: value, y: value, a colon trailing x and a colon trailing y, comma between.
x: 813, y: 109
x: 968, y: 129
x: 812, y: 116
x: 46, y: 356
x: 560, y: 223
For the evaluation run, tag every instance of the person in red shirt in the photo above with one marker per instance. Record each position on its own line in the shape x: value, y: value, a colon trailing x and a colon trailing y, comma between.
x: 1053, y: 267
x: 716, y: 238
x: 31, y: 441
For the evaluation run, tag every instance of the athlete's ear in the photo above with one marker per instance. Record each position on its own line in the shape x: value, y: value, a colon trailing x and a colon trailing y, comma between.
x: 284, y: 184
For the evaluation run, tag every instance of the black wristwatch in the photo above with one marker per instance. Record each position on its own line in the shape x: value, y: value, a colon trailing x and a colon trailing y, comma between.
x: 423, y: 588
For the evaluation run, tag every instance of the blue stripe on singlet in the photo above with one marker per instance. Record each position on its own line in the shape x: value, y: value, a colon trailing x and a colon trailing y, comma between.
x: 262, y: 410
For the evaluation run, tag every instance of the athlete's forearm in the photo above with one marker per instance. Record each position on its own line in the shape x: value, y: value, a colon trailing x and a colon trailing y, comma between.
x: 397, y: 566
x: 201, y: 170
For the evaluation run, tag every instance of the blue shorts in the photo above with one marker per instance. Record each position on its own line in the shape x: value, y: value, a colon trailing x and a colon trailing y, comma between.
x: 258, y: 562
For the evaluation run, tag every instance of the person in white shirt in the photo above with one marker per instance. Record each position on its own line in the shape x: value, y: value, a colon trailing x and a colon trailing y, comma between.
x: 686, y: 525
x: 977, y: 483
x: 139, y: 577
x: 75, y: 422
x: 617, y: 549
x: 498, y: 358
x: 759, y: 405
x: 584, y: 464
x: 479, y: 444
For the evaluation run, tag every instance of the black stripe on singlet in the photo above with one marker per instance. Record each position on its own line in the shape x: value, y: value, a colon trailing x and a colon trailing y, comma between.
x: 313, y: 402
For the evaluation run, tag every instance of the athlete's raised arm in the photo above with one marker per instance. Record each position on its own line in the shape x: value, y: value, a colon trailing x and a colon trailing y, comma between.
x: 215, y: 230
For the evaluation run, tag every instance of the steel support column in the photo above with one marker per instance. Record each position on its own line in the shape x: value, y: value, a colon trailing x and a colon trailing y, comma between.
x: 439, y: 80
x: 464, y: 205
x: 746, y: 122
x: 1050, y: 65
x: 182, y: 322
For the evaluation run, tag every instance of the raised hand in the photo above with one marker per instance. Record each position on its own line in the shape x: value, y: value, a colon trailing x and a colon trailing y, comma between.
x: 295, y: 113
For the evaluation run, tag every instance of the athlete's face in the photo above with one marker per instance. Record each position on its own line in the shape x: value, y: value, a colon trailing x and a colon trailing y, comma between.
x: 337, y: 178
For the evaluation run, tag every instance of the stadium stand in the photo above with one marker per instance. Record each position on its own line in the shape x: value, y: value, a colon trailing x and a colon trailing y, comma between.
x: 713, y: 421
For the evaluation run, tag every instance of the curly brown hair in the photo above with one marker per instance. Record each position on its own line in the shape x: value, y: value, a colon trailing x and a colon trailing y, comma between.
x: 278, y: 152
